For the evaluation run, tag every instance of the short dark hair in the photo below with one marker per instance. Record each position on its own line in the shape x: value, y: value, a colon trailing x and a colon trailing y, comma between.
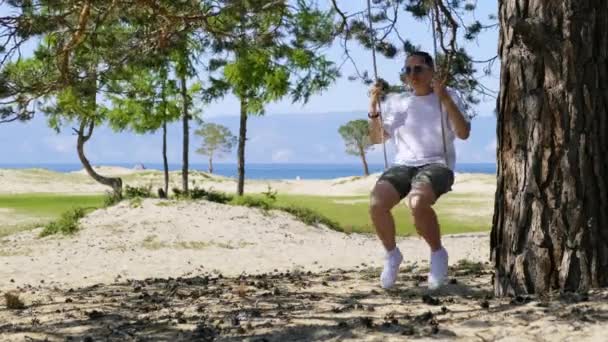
x: 428, y: 60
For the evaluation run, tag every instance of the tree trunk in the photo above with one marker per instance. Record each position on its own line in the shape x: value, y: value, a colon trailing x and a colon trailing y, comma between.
x: 362, y: 154
x: 114, y: 183
x: 550, y: 225
x: 241, y: 149
x: 186, y: 119
x: 165, y: 162
x: 210, y: 163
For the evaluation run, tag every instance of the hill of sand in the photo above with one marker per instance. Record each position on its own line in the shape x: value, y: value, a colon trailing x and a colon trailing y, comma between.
x: 201, y: 271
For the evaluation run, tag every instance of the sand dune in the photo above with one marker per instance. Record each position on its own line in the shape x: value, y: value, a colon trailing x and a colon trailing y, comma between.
x: 164, y: 238
x: 197, y: 270
x: 44, y: 181
x: 201, y: 271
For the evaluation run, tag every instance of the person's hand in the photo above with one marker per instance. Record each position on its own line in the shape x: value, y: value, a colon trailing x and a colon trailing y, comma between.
x: 375, y: 93
x: 439, y: 84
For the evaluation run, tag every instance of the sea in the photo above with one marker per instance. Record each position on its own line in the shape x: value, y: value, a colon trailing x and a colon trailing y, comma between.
x: 262, y: 171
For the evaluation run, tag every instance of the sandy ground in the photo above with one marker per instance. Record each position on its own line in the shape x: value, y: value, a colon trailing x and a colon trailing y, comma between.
x: 165, y: 238
x: 202, y: 271
x: 331, y: 305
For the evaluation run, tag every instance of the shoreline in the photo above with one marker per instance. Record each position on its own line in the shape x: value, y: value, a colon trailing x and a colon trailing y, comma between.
x: 14, y: 181
x: 290, y: 171
x: 111, y: 170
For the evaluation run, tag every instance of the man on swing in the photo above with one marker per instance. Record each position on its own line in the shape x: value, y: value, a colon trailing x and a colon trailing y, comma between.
x: 423, y: 168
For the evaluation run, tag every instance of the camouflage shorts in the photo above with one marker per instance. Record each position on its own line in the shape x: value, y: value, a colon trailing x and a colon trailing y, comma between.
x: 440, y: 177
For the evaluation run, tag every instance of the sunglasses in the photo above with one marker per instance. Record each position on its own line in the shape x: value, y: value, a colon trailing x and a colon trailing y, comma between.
x: 416, y: 69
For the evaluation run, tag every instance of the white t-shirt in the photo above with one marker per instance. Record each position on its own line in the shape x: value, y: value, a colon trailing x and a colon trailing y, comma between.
x: 414, y: 125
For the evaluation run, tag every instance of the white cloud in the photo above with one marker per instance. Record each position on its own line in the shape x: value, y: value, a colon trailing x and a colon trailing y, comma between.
x: 282, y: 155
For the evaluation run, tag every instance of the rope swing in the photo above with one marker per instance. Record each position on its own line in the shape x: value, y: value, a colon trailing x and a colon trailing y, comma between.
x: 434, y: 21
x: 373, y: 39
x: 445, y: 150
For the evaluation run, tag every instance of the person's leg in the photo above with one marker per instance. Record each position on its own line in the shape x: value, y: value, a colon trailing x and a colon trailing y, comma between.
x: 383, y: 198
x: 428, y: 184
x: 392, y: 186
x: 420, y: 201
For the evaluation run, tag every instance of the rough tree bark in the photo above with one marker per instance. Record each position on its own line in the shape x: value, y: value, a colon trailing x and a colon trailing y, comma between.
x: 550, y: 225
x: 241, y: 149
x: 210, y: 162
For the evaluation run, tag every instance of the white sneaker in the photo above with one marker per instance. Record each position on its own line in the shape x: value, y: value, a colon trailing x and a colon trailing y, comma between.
x: 439, y: 269
x: 391, y: 268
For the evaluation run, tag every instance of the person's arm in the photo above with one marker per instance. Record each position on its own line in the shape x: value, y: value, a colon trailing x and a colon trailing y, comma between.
x: 375, y: 123
x: 462, y: 127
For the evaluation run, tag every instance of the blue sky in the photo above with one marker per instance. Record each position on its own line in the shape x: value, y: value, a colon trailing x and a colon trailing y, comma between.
x: 287, y: 133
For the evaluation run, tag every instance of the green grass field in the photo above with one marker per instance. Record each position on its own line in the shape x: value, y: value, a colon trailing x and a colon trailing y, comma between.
x: 35, y: 209
x: 457, y: 213
x: 352, y: 213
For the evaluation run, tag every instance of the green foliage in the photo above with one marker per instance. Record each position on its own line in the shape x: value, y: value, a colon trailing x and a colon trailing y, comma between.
x: 267, y: 202
x: 253, y: 202
x: 311, y: 217
x: 455, y: 16
x: 43, y: 205
x: 143, y: 99
x: 15, y: 81
x: 67, y: 223
x: 356, y: 137
x: 210, y: 195
x: 200, y: 193
x: 270, y: 194
x: 141, y: 192
x: 352, y: 213
x: 111, y: 199
x: 179, y: 194
x: 217, y: 139
x: 277, y: 52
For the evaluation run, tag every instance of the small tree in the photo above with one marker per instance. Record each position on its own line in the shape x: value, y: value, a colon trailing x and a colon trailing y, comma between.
x: 217, y: 139
x: 145, y: 100
x: 356, y: 139
x: 273, y: 51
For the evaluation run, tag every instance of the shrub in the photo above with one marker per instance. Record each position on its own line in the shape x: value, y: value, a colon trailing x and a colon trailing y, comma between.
x: 200, y: 193
x: 252, y: 202
x: 138, y: 191
x: 111, y: 199
x: 66, y: 224
x: 311, y: 217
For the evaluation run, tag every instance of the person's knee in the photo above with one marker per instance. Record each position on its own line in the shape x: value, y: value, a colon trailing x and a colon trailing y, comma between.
x: 382, y: 200
x: 419, y: 206
x: 420, y: 201
x: 378, y: 205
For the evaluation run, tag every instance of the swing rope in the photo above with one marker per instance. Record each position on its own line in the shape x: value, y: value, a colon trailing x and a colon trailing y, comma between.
x: 445, y: 150
x: 373, y: 39
x: 373, y: 42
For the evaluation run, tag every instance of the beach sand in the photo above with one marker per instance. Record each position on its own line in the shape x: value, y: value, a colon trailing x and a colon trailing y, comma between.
x: 202, y: 271
x: 197, y: 270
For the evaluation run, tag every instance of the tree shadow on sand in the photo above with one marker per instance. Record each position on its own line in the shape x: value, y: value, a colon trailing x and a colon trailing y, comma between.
x: 290, y: 306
